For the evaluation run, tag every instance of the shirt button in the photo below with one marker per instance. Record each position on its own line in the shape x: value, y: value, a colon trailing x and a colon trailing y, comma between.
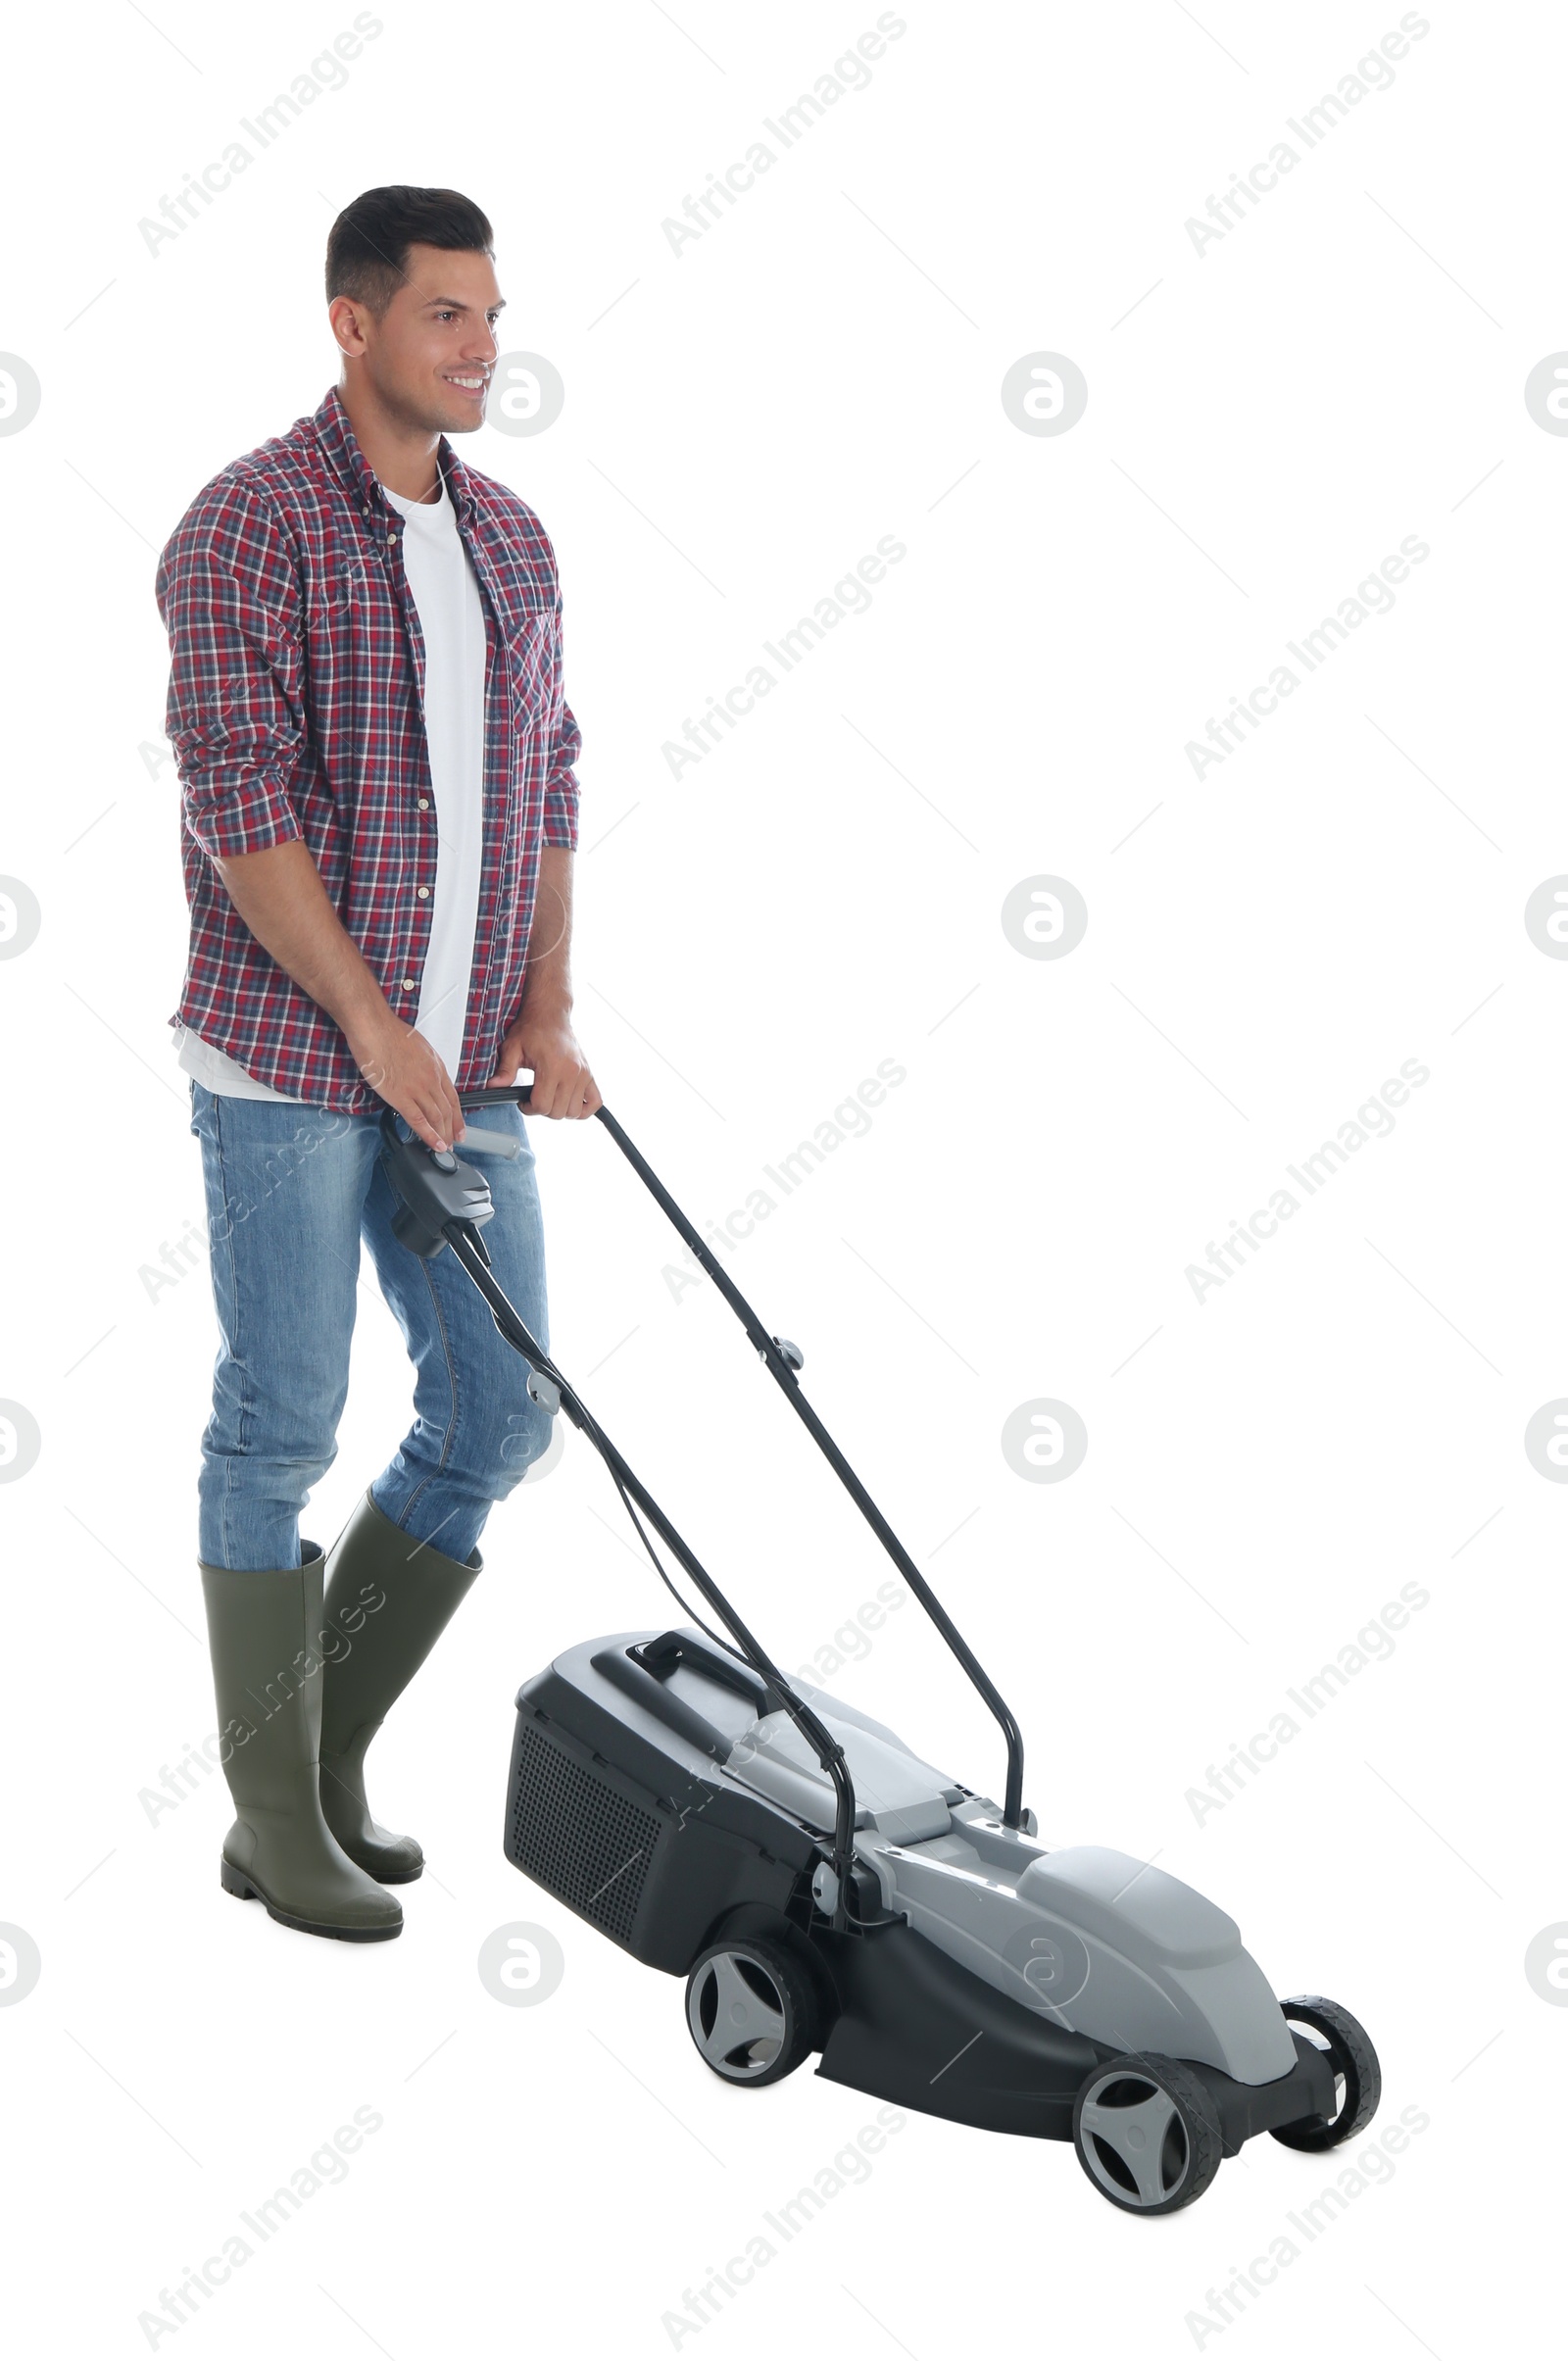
x: 424, y: 803
x: 408, y: 983
x: 424, y: 893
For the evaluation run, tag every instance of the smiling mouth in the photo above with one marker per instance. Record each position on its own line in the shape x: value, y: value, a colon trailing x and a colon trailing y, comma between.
x: 473, y: 386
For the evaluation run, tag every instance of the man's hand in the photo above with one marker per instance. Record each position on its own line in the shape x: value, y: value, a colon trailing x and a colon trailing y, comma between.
x: 543, y: 1040
x: 401, y: 1066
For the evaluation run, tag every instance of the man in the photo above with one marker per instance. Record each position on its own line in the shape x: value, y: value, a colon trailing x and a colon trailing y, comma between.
x: 379, y: 817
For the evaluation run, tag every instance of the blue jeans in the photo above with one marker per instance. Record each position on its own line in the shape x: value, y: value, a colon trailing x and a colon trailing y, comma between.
x: 291, y: 1190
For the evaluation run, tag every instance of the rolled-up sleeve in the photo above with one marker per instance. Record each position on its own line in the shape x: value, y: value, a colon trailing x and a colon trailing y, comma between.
x: 561, y: 797
x: 228, y: 591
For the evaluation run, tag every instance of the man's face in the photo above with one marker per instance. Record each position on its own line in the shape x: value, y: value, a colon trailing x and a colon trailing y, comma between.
x: 438, y: 332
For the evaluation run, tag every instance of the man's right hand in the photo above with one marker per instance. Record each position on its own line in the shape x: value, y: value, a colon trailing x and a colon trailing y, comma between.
x: 402, y: 1067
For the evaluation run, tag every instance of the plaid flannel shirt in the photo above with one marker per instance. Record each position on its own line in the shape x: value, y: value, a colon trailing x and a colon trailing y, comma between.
x: 296, y: 709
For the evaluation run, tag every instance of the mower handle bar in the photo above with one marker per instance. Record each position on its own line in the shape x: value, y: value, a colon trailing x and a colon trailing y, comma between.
x: 782, y: 1367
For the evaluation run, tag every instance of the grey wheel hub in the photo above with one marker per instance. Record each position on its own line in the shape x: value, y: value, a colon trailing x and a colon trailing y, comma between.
x: 737, y: 2015
x: 1129, y: 2121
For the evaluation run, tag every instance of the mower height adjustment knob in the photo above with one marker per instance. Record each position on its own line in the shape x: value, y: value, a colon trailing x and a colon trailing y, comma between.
x: 790, y: 1354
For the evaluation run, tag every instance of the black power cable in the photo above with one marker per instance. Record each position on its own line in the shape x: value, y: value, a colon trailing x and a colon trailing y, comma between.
x: 659, y: 1567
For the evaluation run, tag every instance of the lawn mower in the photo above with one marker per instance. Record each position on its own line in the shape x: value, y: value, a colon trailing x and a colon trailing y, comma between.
x: 824, y: 1891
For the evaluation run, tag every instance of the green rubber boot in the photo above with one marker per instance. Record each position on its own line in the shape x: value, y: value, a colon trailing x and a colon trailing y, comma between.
x: 389, y: 1598
x: 266, y: 1640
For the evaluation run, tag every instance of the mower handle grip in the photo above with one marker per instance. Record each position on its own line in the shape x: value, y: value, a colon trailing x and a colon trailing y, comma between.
x: 499, y: 1094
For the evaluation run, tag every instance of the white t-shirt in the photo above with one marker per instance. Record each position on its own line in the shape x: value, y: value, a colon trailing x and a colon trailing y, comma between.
x: 446, y: 598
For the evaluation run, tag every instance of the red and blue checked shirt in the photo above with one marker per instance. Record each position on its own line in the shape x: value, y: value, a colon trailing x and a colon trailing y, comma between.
x: 296, y: 710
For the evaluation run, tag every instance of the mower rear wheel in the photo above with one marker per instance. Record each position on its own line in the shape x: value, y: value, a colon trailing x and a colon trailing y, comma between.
x: 752, y: 2011
x: 1357, y: 2076
x: 1148, y: 2134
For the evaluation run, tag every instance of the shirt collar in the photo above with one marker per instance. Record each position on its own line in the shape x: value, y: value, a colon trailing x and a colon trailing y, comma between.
x: 337, y: 438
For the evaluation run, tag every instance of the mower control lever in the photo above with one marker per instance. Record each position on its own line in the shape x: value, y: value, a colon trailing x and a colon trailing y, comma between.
x: 486, y: 1142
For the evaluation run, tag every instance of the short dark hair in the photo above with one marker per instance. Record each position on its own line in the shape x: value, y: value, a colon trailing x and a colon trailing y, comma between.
x: 368, y: 246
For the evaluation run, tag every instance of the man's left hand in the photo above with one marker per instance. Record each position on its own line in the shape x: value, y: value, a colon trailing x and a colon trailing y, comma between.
x: 563, y: 1084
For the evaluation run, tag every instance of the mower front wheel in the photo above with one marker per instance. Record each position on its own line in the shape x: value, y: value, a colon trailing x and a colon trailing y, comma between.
x: 752, y: 2011
x: 1148, y: 2134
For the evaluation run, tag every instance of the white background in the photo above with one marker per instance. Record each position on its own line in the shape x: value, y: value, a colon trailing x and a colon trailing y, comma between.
x: 1266, y: 421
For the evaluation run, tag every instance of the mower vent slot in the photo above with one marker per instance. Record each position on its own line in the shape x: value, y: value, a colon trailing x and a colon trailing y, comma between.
x: 578, y: 1837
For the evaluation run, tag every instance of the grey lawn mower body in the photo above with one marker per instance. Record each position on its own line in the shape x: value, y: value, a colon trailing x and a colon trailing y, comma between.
x: 825, y: 1892
x: 1102, y: 1943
